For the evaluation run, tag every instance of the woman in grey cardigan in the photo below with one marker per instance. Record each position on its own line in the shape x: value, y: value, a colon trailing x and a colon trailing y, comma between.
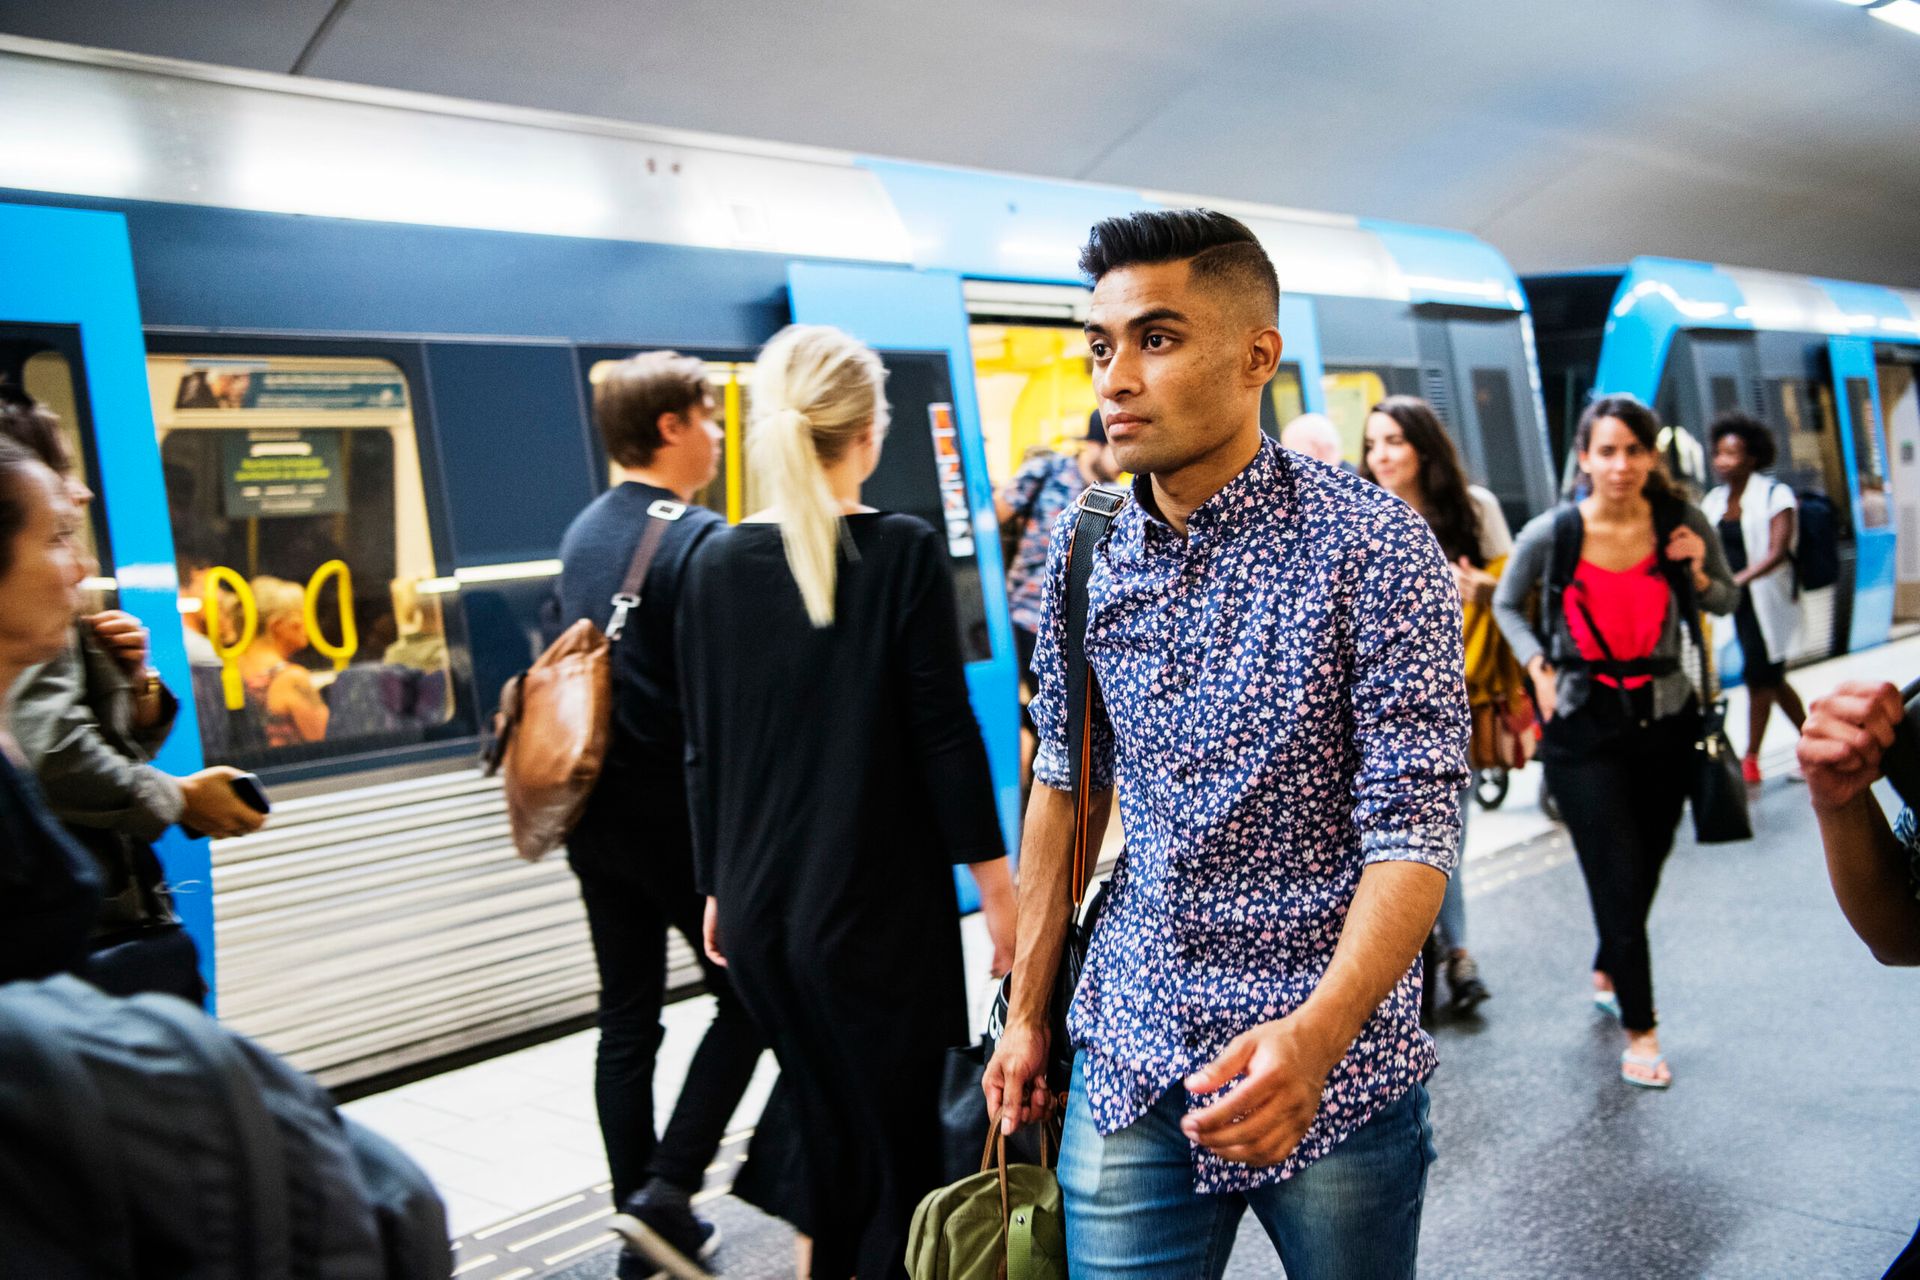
x: 1620, y: 714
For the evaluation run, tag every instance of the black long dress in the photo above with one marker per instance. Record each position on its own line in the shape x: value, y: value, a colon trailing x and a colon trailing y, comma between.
x: 835, y: 775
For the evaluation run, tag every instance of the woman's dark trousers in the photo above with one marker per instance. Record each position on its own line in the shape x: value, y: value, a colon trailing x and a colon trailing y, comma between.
x: 1621, y: 783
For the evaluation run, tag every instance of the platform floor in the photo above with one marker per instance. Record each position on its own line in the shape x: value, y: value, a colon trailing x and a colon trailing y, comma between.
x: 1784, y: 1149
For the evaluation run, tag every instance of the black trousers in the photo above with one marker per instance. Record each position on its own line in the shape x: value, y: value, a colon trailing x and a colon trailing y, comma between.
x: 1621, y: 780
x: 637, y: 882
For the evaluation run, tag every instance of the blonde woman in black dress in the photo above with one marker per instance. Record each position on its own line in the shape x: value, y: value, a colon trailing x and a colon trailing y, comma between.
x: 836, y: 774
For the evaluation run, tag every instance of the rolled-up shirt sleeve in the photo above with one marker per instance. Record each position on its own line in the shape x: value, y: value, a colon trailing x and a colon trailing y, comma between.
x: 1049, y: 706
x: 1409, y: 697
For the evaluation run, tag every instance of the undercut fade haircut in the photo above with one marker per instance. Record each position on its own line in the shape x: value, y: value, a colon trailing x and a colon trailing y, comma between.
x: 1221, y: 250
x: 631, y: 395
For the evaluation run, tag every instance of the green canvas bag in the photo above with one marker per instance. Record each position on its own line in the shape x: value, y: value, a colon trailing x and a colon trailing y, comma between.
x: 1003, y: 1223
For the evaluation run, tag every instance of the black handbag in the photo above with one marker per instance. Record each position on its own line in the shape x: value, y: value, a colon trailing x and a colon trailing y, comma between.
x: 1096, y: 509
x: 1718, y: 797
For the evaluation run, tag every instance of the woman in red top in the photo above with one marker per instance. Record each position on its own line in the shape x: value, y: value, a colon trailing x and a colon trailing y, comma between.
x: 1620, y: 713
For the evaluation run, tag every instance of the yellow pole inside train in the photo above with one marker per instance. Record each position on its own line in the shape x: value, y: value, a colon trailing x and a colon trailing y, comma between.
x: 342, y: 654
x: 230, y: 683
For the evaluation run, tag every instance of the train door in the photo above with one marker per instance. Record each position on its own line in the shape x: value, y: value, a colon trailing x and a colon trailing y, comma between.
x: 1798, y: 407
x: 70, y: 335
x: 1900, y: 402
x: 1473, y: 370
x: 935, y: 466
x: 1708, y: 374
x: 1857, y: 406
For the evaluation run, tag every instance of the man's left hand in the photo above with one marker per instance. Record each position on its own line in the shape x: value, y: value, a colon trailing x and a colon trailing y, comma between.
x: 122, y: 635
x: 1281, y: 1069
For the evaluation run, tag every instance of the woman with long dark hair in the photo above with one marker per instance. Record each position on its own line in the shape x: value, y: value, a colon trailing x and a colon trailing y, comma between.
x: 1620, y: 712
x: 836, y: 772
x: 1409, y: 454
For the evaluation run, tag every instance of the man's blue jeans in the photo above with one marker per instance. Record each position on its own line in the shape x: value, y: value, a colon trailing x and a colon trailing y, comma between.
x: 1132, y: 1211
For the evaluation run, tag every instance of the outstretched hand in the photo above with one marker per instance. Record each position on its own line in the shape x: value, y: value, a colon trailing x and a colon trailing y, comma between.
x: 1277, y: 1073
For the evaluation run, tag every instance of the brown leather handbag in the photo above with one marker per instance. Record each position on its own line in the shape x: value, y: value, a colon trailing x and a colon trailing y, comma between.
x: 550, y: 734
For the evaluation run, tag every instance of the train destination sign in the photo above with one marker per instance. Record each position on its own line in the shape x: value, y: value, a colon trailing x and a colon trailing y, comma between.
x: 283, y: 473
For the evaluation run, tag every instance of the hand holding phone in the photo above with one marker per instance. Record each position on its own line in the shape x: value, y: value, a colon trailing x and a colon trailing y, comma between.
x: 222, y: 802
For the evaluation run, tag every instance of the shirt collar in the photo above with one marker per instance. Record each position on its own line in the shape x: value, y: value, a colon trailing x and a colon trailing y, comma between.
x: 1259, y: 493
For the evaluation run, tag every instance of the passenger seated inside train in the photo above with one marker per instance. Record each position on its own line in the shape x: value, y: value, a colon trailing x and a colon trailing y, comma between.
x: 280, y: 691
x: 422, y: 640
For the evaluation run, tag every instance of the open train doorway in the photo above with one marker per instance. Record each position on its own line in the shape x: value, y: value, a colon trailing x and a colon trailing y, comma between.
x: 1898, y: 369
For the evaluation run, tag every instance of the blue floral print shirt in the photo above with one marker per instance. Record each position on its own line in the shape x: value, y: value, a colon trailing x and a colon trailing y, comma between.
x: 1042, y: 489
x: 1284, y: 705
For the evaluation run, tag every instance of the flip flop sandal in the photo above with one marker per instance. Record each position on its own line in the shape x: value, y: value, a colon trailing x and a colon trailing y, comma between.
x: 1643, y: 1082
x: 1607, y: 1002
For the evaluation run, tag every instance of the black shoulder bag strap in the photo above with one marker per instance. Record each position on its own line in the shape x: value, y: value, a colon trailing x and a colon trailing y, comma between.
x: 1095, y: 512
x: 627, y: 599
x: 1569, y: 531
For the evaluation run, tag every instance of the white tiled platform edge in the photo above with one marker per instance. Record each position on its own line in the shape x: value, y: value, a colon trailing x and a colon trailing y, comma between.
x: 518, y: 1131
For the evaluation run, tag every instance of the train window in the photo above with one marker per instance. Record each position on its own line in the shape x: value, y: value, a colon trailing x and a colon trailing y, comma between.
x: 1035, y: 386
x: 1725, y: 393
x: 1493, y: 408
x: 313, y: 615
x: 730, y: 493
x: 1869, y: 461
x: 1289, y: 399
x: 47, y: 376
x: 1350, y: 393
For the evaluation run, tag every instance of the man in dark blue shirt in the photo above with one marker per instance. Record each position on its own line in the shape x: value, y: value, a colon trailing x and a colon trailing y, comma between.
x: 632, y: 849
x: 1277, y: 649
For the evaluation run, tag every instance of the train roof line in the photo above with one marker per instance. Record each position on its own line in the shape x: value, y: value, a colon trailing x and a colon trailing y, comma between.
x: 140, y: 127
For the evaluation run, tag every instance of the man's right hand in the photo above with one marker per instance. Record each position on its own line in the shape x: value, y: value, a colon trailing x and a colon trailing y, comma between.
x: 1016, y: 1080
x: 212, y: 807
x: 1846, y: 734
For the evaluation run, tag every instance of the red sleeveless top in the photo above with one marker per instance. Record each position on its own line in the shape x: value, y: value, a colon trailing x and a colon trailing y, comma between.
x: 1629, y: 608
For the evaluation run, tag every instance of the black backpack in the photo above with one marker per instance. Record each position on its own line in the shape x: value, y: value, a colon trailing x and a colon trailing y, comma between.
x: 140, y: 1139
x: 1816, y: 560
x: 1569, y: 532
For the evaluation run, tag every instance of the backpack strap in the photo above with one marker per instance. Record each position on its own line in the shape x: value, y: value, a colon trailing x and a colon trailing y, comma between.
x: 627, y: 598
x: 1569, y: 532
x: 1094, y: 514
x: 261, y: 1182
x: 34, y: 1045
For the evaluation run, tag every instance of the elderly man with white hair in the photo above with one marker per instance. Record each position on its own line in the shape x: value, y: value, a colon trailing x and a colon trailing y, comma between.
x: 1315, y: 435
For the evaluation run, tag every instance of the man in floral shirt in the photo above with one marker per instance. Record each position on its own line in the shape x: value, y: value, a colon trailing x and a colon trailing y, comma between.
x: 1277, y: 646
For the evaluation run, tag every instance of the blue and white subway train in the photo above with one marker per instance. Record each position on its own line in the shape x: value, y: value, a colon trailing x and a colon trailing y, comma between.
x: 1829, y: 365
x: 345, y: 338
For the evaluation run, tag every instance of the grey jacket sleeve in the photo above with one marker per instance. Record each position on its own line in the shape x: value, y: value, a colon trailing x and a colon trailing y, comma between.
x: 1720, y: 595
x: 88, y: 781
x: 1525, y: 566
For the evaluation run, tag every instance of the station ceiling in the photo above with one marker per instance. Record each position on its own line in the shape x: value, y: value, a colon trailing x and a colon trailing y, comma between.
x: 1773, y: 133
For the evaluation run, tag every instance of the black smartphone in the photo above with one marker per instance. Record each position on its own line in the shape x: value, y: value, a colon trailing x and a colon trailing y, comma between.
x: 251, y: 793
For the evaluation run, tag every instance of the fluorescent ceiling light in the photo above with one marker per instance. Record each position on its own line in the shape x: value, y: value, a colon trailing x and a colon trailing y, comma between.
x: 1861, y: 4
x: 1904, y: 14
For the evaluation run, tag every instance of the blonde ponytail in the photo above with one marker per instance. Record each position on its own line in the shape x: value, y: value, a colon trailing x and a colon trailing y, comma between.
x: 816, y: 392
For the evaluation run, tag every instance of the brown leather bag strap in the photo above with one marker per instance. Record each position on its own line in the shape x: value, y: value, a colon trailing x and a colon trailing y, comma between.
x: 627, y: 599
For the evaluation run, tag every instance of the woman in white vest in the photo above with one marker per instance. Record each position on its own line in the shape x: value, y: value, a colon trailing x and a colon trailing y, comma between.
x: 1756, y: 516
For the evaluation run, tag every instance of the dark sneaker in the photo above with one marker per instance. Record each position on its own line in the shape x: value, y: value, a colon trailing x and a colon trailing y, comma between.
x: 1463, y: 980
x: 663, y: 1230
x: 634, y: 1267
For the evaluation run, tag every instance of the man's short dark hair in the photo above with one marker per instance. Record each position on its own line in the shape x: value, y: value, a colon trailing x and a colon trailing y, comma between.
x: 1761, y: 448
x: 1220, y: 248
x: 630, y: 396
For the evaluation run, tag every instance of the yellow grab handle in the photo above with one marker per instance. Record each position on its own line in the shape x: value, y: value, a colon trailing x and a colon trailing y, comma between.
x: 229, y: 655
x: 342, y: 654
